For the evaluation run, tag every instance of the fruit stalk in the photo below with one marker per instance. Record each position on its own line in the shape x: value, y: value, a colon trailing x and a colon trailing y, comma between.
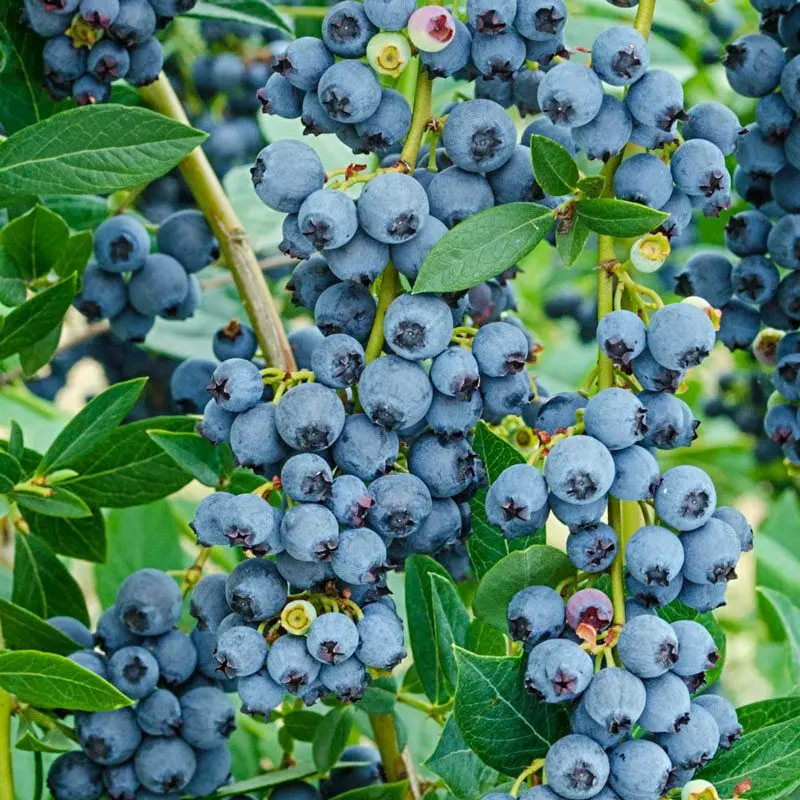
x: 6, y: 772
x: 386, y: 740
x: 237, y: 250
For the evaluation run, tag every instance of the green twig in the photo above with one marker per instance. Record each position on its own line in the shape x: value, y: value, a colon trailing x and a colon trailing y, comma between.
x: 38, y: 786
x: 6, y: 771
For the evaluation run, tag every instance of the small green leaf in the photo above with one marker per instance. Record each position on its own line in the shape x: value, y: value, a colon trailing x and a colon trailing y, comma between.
x: 36, y: 317
x: 492, y: 707
x: 250, y: 12
x: 378, y: 791
x: 91, y: 423
x: 483, y: 246
x: 411, y: 681
x: 46, y: 680
x: 264, y: 781
x: 618, y: 217
x: 331, y: 737
x: 16, y: 442
x: 450, y: 623
x: 302, y: 725
x: 591, y: 185
x: 36, y: 240
x: 192, y: 452
x: 10, y: 472
x: 42, y: 584
x: 485, y: 640
x: 555, y: 169
x: 97, y: 149
x: 52, y: 741
x: 786, y: 614
x: 25, y: 631
x: 75, y: 256
x: 764, y: 713
x: 571, y: 236
x: 12, y: 284
x: 538, y: 565
x: 83, y: 538
x: 35, y: 356
x: 380, y: 696
x: 81, y: 212
x: 466, y: 776
x: 59, y: 502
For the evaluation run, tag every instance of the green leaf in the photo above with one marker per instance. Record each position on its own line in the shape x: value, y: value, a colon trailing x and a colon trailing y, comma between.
x: 23, y: 631
x: 538, y: 565
x: 60, y: 502
x: 127, y: 468
x: 36, y: 317
x: 96, y: 149
x: 492, y: 706
x: 16, y: 443
x: 302, y: 725
x: 273, y: 778
x: 591, y: 185
x: 764, y: 713
x: 618, y: 217
x: 46, y: 680
x: 487, y: 545
x: 554, y: 168
x: 768, y: 757
x: 483, y: 246
x: 91, y: 424
x: 52, y: 741
x: 450, y: 623
x: 466, y: 776
x: 36, y: 240
x: 331, y: 737
x: 75, y: 256
x: 250, y: 12
x: 571, y: 236
x: 777, y: 567
x: 82, y: 212
x: 139, y: 537
x: 378, y: 791
x: 677, y: 611
x: 35, y: 356
x: 411, y: 681
x: 23, y: 100
x: 435, y: 667
x: 42, y: 584
x: 12, y: 284
x: 10, y: 472
x: 380, y: 696
x: 485, y: 640
x: 83, y: 538
x: 781, y: 609
x: 191, y: 452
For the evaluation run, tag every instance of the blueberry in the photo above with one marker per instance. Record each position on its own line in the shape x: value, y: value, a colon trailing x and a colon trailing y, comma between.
x: 134, y: 671
x: 175, y: 655
x: 620, y: 55
x: 394, y: 392
x: 385, y: 128
x: 111, y: 633
x: 302, y: 574
x: 500, y: 349
x: 295, y: 790
x: 784, y: 242
x: 255, y: 589
x: 108, y: 737
x: 540, y: 20
x: 541, y: 126
x: 558, y: 671
x: 303, y: 342
x: 698, y: 652
x: 303, y: 62
x: 121, y: 244
x: 315, y: 122
x: 417, y: 327
x: 585, y: 725
x: 188, y: 384
x: 616, y: 418
x: 654, y: 555
x: 724, y: 715
x: 240, y: 651
x: 535, y: 614
x: 121, y: 782
x: 440, y: 531
x: 517, y: 501
x: 514, y: 181
x: 615, y: 699
x: 45, y: 23
x: 254, y: 438
x: 447, y: 468
x: 576, y: 517
x: 285, y: 173
x: 577, y: 767
x: 310, y: 532
x: 711, y: 552
x: 665, y: 419
x: 280, y: 97
x: 380, y: 633
x: 666, y: 708
x: 348, y: 680
x: 607, y: 134
x: 652, y: 138
x: 656, y: 99
x: 452, y: 418
x: 455, y: 195
x: 686, y: 498
x: 349, y: 92
x: 165, y: 765
x: 454, y: 373
x: 773, y: 116
x: 63, y: 61
x: 498, y: 55
x: 332, y: 638
x: 89, y: 659
x: 346, y: 29
x: 402, y: 503
x: 364, y: 449
x: 209, y: 606
x: 714, y: 123
x: 260, y: 694
x: 755, y: 279
x: 327, y: 218
x: 636, y: 474
x: 146, y: 62
x: 131, y: 326
x: 504, y: 396
x: 310, y: 417
x: 361, y: 260
x: 526, y: 90
x: 643, y: 178
x: 739, y: 325
x: 754, y: 64
x: 212, y: 771
x: 639, y: 770
x: 409, y: 255
x: 291, y: 665
x: 680, y: 336
x: 338, y: 361
x: 107, y: 61
x: 703, y: 597
x: 159, y: 714
x: 309, y: 280
x: 696, y: 743
x: 73, y: 628
x: 558, y: 412
x: 350, y: 501
x: 579, y: 469
x: 736, y: 520
x: 593, y: 548
x: 679, y: 209
x: 698, y: 168
x: 648, y: 646
x: 72, y: 776
x: 456, y: 56
x: 570, y: 94
x: 208, y: 717
x: 345, y: 308
x: 389, y: 15
x: 360, y: 557
x: 652, y: 595
x: 149, y: 602
x: 307, y: 478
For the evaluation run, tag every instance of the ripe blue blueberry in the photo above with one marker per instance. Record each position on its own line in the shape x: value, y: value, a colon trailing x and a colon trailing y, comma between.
x: 380, y: 633
x: 754, y: 64
x: 360, y: 557
x: 149, y: 602
x: 387, y: 126
x: 260, y: 694
x: 714, y: 123
x: 680, y: 336
x: 254, y: 438
x: 656, y: 99
x: 310, y: 417
x: 648, y: 646
x: 346, y: 29
x: 417, y: 327
x: 290, y: 664
x: 607, y: 134
x: 364, y: 449
x: 73, y: 776
x: 643, y: 178
x: 579, y: 469
x: 208, y: 718
x: 440, y: 531
x: 349, y: 92
x: 593, y: 548
x: 285, y: 173
x: 479, y: 136
x: 146, y: 61
x: 159, y: 714
x: 307, y: 478
x: 455, y: 195
x: 402, y: 503
x: 558, y: 671
x: 696, y: 743
x: 345, y: 308
x: 654, y: 555
x: 255, y: 589
x: 639, y: 770
x: 616, y: 418
x: 517, y: 501
x: 711, y: 552
x: 108, y: 737
x: 394, y: 393
x: 134, y: 671
x: 615, y: 699
x: 213, y: 769
x: 240, y: 651
x: 534, y: 614
x: 724, y: 715
x: 121, y: 244
x: 540, y: 20
x: 348, y: 680
x: 620, y: 55
x: 577, y: 767
x: 310, y: 532
x: 666, y: 709
x: 332, y: 638
x: 570, y: 94
x: 636, y: 474
x: 498, y: 55
x: 686, y: 498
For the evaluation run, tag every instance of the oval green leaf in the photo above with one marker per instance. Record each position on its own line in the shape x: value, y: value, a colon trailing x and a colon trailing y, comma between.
x: 618, y: 217
x: 553, y: 166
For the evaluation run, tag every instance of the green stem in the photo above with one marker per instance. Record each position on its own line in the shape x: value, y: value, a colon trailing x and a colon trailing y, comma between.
x: 6, y: 771
x: 385, y: 736
x: 315, y: 12
x: 387, y: 293
x: 38, y: 786
x: 236, y: 248
x: 412, y: 701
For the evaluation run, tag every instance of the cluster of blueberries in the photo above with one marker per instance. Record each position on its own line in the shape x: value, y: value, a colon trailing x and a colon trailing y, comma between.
x: 662, y: 666
x: 173, y: 741
x: 91, y: 43
x: 161, y: 284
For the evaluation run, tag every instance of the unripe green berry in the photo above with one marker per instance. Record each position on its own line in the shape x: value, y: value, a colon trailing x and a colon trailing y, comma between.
x: 388, y: 53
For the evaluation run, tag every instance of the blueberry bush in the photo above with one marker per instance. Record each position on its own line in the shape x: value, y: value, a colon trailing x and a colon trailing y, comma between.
x: 353, y: 363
